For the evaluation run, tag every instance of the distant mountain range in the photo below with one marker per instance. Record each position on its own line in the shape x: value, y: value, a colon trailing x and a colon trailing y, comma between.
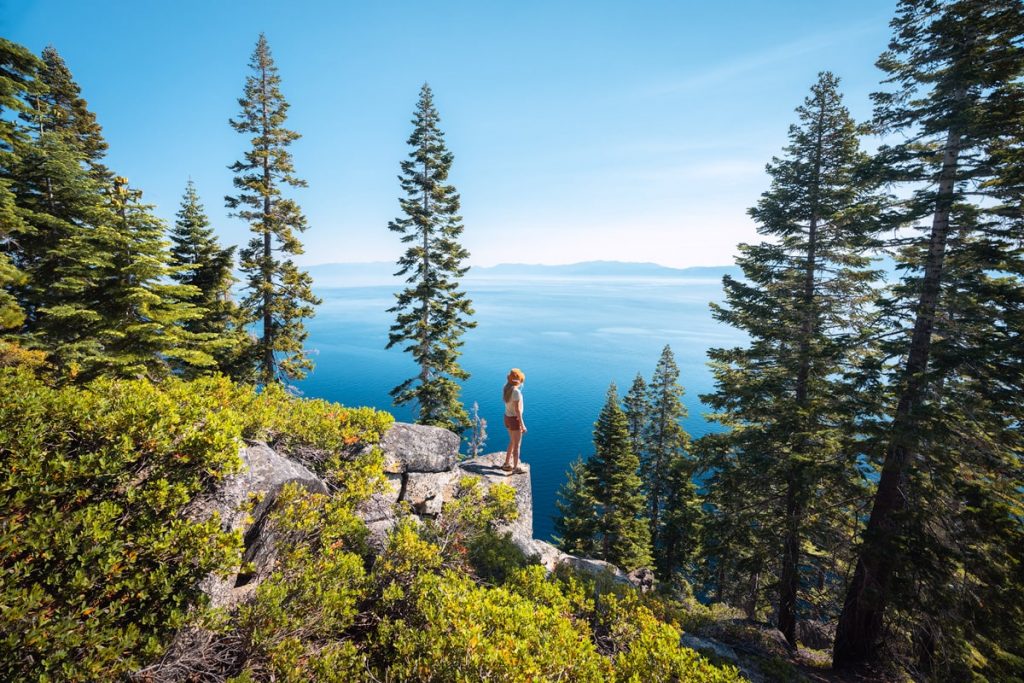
x: 382, y: 272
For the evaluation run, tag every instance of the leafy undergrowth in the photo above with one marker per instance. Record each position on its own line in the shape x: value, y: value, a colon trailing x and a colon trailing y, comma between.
x: 99, y: 565
x: 447, y: 600
x: 101, y: 561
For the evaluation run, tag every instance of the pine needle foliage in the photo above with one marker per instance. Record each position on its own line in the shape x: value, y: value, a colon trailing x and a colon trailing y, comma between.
x: 279, y: 295
x: 932, y: 585
x: 623, y: 527
x: 58, y: 107
x: 431, y: 313
x: 201, y: 262
x: 667, y: 469
x: 804, y: 302
x: 576, y: 523
x: 636, y: 405
x: 18, y: 81
x: 143, y: 312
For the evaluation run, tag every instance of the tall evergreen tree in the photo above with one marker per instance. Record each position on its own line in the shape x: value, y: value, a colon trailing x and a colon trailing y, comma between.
x: 96, y: 298
x: 18, y: 82
x: 64, y: 249
x: 279, y: 295
x: 681, y: 519
x: 59, y: 108
x: 667, y: 468
x: 201, y: 262
x: 431, y: 313
x: 625, y: 537
x: 144, y: 316
x: 740, y: 537
x: 636, y: 405
x: 57, y: 205
x: 950, y: 478
x: 576, y: 522
x: 803, y: 304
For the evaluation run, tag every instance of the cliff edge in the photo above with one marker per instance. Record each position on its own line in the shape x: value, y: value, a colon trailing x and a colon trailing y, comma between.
x: 422, y: 469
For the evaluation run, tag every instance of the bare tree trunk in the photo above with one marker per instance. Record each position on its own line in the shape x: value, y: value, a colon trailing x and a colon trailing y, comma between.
x: 789, y: 581
x: 860, y: 623
x: 269, y: 365
x: 425, y: 301
x: 751, y: 605
x: 795, y: 483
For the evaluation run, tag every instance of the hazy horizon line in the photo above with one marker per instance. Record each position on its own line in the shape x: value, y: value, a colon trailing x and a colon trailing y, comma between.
x: 521, y: 263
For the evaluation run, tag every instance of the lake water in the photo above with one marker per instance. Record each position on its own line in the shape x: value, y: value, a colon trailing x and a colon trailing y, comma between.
x: 571, y: 337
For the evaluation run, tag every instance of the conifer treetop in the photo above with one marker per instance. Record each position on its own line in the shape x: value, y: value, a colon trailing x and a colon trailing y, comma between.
x: 58, y: 107
x: 263, y: 114
x: 432, y: 312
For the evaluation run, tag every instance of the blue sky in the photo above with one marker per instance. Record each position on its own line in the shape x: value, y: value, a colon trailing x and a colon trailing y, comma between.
x: 581, y: 130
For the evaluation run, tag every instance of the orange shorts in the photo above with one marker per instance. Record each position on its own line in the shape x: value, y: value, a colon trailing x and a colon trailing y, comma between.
x: 513, y: 423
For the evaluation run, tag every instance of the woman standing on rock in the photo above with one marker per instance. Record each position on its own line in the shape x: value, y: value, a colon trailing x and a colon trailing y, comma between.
x: 513, y: 399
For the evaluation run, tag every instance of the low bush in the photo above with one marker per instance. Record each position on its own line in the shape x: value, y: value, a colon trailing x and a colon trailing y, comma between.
x: 302, y: 616
x: 99, y: 564
x: 100, y: 560
x: 461, y: 631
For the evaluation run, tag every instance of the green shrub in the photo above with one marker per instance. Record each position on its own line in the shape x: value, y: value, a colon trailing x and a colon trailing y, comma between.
x: 494, y: 556
x: 301, y: 614
x: 647, y: 649
x: 642, y: 643
x: 15, y: 355
x: 275, y: 416
x: 467, y: 528
x: 99, y: 562
x: 461, y: 631
x: 563, y: 592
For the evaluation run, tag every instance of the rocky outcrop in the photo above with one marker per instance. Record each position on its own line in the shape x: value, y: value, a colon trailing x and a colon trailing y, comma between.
x: 815, y: 634
x: 488, y: 469
x: 427, y: 492
x: 422, y: 471
x: 242, y: 502
x: 551, y: 558
x: 743, y: 643
x: 415, y: 448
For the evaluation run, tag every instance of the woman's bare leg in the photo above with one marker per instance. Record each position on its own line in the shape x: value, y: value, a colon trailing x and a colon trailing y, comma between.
x: 508, y: 452
x: 517, y: 439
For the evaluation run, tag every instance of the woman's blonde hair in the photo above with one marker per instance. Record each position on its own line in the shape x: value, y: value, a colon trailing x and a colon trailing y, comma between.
x: 515, y: 377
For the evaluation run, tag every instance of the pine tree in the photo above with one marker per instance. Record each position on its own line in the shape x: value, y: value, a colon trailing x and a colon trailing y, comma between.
x: 50, y: 200
x: 144, y: 317
x: 431, y: 313
x: 681, y: 519
x: 279, y: 295
x: 64, y: 214
x: 60, y: 109
x: 934, y: 544
x: 803, y: 304
x: 201, y: 262
x: 625, y: 537
x: 667, y: 469
x: 739, y: 538
x: 576, y: 525
x: 637, y: 408
x: 18, y: 81
x: 98, y: 300
x: 61, y: 196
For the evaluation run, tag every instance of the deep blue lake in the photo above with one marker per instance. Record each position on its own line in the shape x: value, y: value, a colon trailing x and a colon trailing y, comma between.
x: 571, y: 336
